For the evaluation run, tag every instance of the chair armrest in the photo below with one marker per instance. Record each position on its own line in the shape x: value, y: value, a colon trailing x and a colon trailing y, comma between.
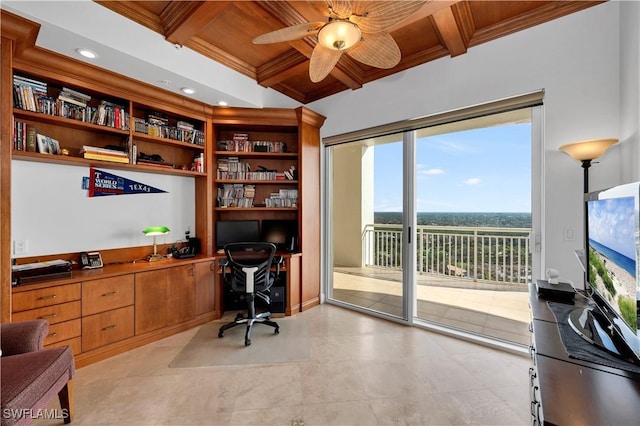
x: 23, y: 336
x: 277, y: 260
x: 223, y: 264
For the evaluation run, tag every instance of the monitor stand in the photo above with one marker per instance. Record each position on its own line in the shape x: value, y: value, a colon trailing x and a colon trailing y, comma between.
x: 593, y: 327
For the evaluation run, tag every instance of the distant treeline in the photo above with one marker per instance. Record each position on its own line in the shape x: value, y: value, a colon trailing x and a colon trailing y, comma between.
x: 487, y: 220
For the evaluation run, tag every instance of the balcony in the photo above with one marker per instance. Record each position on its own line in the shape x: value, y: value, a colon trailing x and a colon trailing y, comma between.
x: 473, y: 279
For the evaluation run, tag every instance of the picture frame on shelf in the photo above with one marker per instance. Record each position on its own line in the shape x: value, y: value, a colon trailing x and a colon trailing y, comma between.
x: 54, y: 146
x: 43, y: 144
x: 47, y: 145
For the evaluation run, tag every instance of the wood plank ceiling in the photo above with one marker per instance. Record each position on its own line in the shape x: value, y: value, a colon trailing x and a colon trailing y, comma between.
x: 223, y: 30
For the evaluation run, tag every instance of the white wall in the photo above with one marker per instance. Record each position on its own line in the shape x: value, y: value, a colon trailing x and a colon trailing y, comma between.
x: 630, y: 89
x: 51, y: 211
x: 575, y: 59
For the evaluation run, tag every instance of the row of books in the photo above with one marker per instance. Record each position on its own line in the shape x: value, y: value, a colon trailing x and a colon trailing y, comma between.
x: 32, y: 95
x: 24, y: 136
x: 104, y: 154
x: 236, y: 195
x: 282, y: 198
x: 241, y: 143
x: 27, y: 92
x: 181, y: 133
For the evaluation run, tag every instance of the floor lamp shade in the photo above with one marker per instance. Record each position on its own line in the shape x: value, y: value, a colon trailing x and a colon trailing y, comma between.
x: 589, y: 149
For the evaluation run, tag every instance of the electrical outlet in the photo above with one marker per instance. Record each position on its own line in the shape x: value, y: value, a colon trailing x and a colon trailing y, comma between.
x: 569, y: 234
x: 20, y: 247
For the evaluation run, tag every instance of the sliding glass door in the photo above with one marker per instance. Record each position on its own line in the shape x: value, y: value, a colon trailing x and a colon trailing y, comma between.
x: 433, y: 225
x: 473, y: 192
x: 366, y: 224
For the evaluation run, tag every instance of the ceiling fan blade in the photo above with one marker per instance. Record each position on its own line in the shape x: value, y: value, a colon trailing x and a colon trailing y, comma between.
x: 377, y: 16
x: 342, y: 8
x: 322, y: 62
x: 289, y: 33
x: 379, y: 50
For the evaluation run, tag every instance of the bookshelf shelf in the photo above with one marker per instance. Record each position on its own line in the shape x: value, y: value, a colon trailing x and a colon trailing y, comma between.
x: 254, y: 154
x: 256, y: 209
x: 75, y: 117
x: 78, y: 161
x: 65, y: 122
x: 258, y: 182
x: 137, y: 136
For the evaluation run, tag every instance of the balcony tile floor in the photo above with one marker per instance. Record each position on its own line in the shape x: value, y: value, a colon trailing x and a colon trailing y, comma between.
x: 497, y: 311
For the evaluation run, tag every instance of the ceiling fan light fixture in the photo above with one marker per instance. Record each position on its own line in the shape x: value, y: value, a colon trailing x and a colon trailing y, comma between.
x: 339, y: 34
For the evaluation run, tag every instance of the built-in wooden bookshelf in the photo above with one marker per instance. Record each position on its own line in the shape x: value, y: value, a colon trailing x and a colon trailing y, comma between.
x: 153, y: 140
x: 298, y: 129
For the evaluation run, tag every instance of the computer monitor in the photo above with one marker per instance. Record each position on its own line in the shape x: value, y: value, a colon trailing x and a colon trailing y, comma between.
x: 235, y: 231
x: 283, y: 233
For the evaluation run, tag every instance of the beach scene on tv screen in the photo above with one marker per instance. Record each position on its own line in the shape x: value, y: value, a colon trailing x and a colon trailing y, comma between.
x: 612, y: 254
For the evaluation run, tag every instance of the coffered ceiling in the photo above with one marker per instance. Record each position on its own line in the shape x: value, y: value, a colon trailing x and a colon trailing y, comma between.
x: 223, y: 31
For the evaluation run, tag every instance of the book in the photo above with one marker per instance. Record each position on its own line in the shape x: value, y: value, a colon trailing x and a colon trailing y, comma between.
x: 104, y: 151
x: 75, y: 94
x: 105, y: 157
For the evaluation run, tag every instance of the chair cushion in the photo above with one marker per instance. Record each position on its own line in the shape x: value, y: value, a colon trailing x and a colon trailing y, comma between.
x: 30, y: 380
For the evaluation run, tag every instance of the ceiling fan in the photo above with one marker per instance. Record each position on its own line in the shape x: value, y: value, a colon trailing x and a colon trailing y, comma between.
x: 357, y: 28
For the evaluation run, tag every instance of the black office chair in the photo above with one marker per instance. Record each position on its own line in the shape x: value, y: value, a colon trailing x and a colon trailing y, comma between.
x: 250, y: 265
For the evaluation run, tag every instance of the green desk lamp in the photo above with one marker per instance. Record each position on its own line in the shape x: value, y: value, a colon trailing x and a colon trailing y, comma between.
x: 153, y: 231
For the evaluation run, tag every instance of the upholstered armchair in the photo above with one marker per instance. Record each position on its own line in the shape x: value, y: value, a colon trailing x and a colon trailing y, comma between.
x: 30, y: 376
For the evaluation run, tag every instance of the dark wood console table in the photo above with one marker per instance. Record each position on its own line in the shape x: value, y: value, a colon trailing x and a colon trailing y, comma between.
x: 569, y: 391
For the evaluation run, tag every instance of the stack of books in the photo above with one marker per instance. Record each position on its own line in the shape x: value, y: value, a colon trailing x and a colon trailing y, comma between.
x: 73, y: 96
x: 104, y: 154
x: 236, y: 195
x: 31, y: 95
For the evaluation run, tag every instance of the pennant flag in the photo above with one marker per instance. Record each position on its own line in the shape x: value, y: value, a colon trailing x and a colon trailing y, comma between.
x: 104, y: 183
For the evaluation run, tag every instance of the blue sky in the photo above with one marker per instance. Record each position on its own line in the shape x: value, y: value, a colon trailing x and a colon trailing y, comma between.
x: 479, y: 170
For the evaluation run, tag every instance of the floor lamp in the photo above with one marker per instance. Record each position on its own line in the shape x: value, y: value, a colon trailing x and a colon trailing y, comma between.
x: 586, y: 152
x: 153, y: 231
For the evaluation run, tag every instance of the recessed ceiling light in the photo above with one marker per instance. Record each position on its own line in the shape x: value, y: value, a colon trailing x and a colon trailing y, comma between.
x: 90, y: 54
x: 222, y: 103
x: 164, y: 82
x: 188, y: 90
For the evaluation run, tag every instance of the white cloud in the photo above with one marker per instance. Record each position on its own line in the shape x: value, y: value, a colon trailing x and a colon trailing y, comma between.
x: 472, y: 181
x: 435, y: 171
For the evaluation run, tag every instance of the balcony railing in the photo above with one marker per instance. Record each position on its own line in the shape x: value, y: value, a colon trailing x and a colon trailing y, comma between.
x: 479, y: 254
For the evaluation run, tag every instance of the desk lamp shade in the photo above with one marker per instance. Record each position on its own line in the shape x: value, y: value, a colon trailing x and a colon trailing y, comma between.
x: 152, y: 231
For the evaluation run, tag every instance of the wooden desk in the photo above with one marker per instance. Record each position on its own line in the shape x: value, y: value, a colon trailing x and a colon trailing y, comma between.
x: 568, y: 391
x: 291, y: 269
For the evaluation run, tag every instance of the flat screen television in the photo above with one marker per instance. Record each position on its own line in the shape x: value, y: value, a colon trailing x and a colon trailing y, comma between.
x: 283, y: 233
x: 236, y: 231
x: 612, y: 262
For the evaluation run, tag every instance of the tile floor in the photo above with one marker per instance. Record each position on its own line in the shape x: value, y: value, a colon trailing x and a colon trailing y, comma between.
x: 360, y: 370
x: 496, y: 311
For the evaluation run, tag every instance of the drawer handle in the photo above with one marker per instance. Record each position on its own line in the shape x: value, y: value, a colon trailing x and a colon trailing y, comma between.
x: 52, y: 296
x: 54, y: 334
x: 48, y: 316
x: 111, y: 293
x: 109, y: 327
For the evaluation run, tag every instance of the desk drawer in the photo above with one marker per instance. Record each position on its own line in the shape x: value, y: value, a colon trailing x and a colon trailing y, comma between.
x: 107, y: 327
x: 63, y: 331
x: 25, y: 300
x: 75, y: 344
x: 107, y: 294
x: 54, y: 313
